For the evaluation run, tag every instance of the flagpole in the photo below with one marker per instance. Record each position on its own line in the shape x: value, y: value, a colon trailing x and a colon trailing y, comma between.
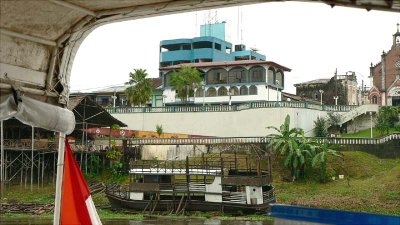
x: 59, y: 180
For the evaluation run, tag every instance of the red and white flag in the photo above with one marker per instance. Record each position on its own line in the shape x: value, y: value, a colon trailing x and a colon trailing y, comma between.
x: 77, y: 206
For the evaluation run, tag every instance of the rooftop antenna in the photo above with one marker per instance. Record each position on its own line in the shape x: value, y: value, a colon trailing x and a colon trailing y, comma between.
x: 241, y: 27
x: 336, y: 82
x: 237, y: 25
x: 196, y: 28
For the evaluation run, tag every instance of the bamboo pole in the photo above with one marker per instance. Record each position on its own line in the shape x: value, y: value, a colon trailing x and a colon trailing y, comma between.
x: 60, y: 173
x: 43, y: 164
x: 22, y: 167
x: 33, y: 133
x: 54, y: 168
x: 38, y: 171
x: 2, y: 160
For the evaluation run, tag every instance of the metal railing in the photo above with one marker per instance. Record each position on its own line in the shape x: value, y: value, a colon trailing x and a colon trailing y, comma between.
x: 231, y: 108
x: 45, y: 145
x: 359, y: 141
x: 269, y: 196
x: 199, y: 141
x: 257, y: 140
x: 26, y: 144
x: 209, y: 166
x: 234, y: 197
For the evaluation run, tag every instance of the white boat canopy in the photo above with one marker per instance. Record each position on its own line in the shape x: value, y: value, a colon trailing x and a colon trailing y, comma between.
x: 39, y: 39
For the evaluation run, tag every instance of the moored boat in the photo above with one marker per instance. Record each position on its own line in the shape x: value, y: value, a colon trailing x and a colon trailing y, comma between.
x: 201, y: 184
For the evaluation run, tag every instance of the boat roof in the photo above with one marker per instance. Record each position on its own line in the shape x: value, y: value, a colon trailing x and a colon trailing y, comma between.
x: 175, y: 171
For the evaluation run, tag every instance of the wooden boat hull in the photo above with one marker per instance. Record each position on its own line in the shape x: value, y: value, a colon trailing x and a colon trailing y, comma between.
x: 191, y: 205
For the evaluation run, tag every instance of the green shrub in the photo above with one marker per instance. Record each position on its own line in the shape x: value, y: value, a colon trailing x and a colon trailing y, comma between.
x: 320, y: 127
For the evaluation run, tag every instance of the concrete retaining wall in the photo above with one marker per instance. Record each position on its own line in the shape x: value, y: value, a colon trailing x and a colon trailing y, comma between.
x: 251, y: 122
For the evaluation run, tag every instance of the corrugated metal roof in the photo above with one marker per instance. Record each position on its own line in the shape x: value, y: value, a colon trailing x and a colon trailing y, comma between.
x: 88, y: 111
x: 317, y: 81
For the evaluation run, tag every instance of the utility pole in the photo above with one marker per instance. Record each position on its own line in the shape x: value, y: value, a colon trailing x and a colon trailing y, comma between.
x: 336, y: 93
x: 321, y: 92
x: 336, y: 98
x: 114, y: 97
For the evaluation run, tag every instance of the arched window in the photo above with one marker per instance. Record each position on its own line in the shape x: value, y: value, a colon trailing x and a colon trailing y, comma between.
x: 211, y: 92
x: 252, y: 90
x: 374, y: 99
x: 257, y: 74
x: 217, y: 76
x: 200, y: 92
x: 238, y: 75
x: 222, y: 91
x: 271, y: 75
x: 279, y: 78
x: 234, y: 91
x: 244, y: 90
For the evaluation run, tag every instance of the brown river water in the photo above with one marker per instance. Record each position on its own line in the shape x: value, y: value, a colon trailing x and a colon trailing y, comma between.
x: 158, y: 221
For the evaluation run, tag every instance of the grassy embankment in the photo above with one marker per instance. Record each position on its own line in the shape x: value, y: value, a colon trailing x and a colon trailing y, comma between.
x: 370, y: 185
x: 367, y: 133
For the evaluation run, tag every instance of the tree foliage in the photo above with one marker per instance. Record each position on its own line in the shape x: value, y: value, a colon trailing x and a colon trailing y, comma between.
x: 185, y: 81
x: 299, y: 151
x: 320, y: 127
x: 140, y: 91
x: 387, y: 118
x: 286, y: 143
x: 334, y: 120
x: 320, y: 157
x: 159, y: 130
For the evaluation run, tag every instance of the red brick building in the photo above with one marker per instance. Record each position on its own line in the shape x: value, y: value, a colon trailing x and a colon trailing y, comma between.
x: 386, y: 76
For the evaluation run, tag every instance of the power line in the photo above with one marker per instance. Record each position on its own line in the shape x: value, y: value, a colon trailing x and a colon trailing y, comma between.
x: 96, y: 88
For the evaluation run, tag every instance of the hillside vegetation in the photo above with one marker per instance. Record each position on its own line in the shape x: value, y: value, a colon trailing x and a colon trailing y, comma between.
x: 370, y: 184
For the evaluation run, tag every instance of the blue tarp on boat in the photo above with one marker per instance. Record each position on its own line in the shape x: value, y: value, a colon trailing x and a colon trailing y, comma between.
x: 329, y: 216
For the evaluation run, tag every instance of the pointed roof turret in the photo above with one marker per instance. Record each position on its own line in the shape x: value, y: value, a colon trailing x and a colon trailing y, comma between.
x: 396, y: 37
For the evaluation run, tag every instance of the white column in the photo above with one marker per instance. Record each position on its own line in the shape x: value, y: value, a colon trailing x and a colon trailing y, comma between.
x: 59, y: 180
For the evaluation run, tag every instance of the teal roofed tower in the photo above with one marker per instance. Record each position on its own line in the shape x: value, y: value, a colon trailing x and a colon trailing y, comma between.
x: 211, y: 46
x: 213, y: 30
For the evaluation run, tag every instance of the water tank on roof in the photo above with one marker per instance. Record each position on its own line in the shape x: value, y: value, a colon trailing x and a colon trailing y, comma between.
x: 240, y: 47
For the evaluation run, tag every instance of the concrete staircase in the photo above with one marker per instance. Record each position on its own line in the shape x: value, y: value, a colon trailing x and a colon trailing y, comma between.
x: 361, y: 110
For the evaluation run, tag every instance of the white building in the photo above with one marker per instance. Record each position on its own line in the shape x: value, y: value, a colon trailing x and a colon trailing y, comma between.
x: 230, y: 82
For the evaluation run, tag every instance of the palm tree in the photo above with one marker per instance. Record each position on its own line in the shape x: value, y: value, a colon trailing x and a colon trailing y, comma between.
x: 140, y: 91
x: 288, y: 143
x: 185, y: 80
x: 321, y: 157
x: 159, y: 130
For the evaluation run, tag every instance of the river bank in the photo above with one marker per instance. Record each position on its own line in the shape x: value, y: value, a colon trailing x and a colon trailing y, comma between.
x: 370, y: 184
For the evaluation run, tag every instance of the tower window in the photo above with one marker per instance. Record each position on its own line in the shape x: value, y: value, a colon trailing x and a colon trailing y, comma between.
x: 217, y: 46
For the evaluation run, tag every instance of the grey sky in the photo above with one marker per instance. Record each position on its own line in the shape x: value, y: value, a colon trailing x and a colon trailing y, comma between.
x: 310, y: 38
